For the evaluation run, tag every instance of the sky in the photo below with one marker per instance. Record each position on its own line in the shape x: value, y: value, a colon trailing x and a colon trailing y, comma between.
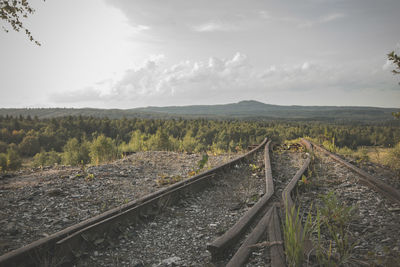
x: 136, y: 53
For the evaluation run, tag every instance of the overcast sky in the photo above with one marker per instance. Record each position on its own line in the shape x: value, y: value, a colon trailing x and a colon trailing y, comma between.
x: 135, y: 53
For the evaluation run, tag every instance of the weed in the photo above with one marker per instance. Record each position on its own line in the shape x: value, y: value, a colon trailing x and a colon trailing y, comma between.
x: 202, y: 162
x: 200, y: 165
x: 334, y: 219
x: 89, y: 177
x: 335, y: 212
x: 295, y: 236
x: 167, y: 180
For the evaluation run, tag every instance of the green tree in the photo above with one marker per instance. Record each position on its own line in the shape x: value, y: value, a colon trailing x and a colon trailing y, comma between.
x: 76, y: 153
x: 29, y: 146
x: 392, y: 56
x: 12, y: 12
x: 103, y: 149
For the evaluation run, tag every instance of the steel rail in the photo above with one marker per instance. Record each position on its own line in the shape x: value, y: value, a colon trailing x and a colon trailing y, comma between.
x: 270, y: 223
x: 386, y: 190
x: 66, y: 242
x: 224, y: 243
x: 242, y: 255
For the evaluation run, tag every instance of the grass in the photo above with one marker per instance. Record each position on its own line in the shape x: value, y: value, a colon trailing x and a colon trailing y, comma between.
x: 333, y: 218
x: 332, y: 239
x: 295, y: 236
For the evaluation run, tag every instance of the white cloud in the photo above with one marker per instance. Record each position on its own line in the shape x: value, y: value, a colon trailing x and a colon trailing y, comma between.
x: 321, y: 20
x: 140, y: 28
x: 331, y: 17
x: 215, y: 79
x: 214, y: 26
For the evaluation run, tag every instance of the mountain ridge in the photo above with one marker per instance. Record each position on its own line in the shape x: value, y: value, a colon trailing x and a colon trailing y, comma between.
x: 241, y: 110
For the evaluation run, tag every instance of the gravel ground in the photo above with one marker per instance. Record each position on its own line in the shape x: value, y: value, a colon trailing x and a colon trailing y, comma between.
x: 376, y: 225
x: 36, y: 204
x: 179, y: 236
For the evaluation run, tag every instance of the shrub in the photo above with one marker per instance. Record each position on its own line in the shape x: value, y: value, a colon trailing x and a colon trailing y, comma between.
x: 137, y: 142
x: 103, y: 149
x: 393, y: 158
x: 13, y: 160
x: 160, y: 141
x: 75, y: 153
x: 3, y: 147
x: 46, y: 159
x: 189, y: 143
x: 3, y: 162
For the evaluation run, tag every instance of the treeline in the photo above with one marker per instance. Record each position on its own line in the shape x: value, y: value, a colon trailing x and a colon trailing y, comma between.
x: 95, y: 138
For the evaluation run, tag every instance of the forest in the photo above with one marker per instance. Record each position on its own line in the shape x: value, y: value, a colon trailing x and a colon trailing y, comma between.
x: 76, y: 140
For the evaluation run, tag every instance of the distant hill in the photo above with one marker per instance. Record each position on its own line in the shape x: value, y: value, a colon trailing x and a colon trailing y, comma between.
x: 243, y: 110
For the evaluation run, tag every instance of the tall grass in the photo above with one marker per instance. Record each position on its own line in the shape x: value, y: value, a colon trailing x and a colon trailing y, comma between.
x: 295, y: 236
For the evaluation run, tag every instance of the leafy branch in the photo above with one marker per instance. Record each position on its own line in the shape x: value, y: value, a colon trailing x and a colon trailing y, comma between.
x: 12, y: 12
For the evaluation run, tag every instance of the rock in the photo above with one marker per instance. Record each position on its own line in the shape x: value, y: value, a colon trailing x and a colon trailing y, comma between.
x: 136, y: 263
x: 173, y: 261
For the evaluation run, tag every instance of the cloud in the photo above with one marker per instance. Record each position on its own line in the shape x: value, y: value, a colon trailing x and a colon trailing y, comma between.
x: 84, y: 95
x: 140, y: 28
x: 218, y: 80
x: 321, y: 20
x: 215, y: 27
x: 331, y: 17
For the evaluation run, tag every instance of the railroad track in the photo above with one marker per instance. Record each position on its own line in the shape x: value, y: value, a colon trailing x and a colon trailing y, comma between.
x: 66, y: 244
x: 234, y: 243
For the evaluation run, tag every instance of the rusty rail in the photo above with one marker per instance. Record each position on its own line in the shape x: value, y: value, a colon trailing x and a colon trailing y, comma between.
x: 286, y: 193
x: 275, y: 236
x: 243, y: 253
x: 270, y: 222
x: 386, y: 190
x: 222, y: 244
x: 65, y: 243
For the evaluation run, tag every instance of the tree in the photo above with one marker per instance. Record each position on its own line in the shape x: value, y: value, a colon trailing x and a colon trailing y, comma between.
x: 29, y: 146
x: 392, y: 56
x: 12, y: 11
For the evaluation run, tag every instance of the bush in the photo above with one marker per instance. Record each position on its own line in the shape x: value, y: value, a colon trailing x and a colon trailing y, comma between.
x: 3, y: 162
x: 392, y: 159
x: 159, y: 142
x: 189, y: 143
x: 103, y: 149
x: 75, y: 153
x: 3, y: 147
x: 13, y: 160
x: 46, y: 159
